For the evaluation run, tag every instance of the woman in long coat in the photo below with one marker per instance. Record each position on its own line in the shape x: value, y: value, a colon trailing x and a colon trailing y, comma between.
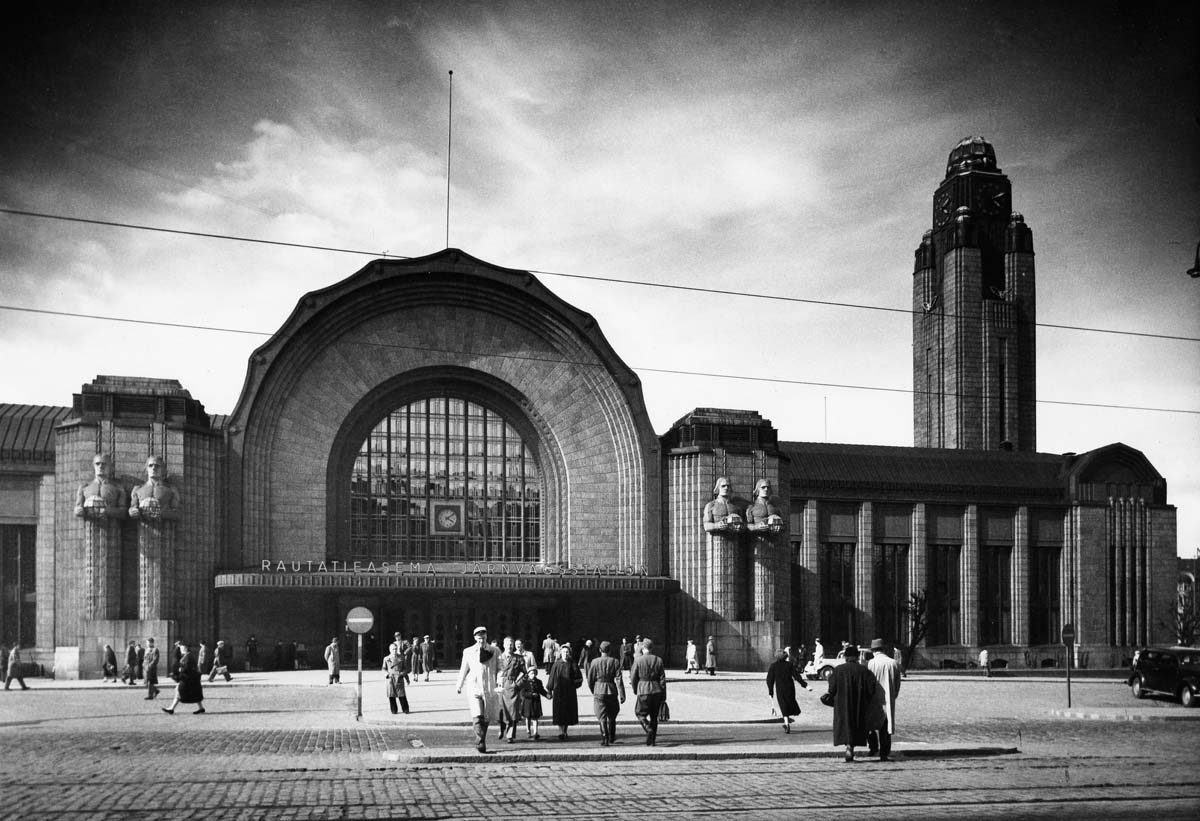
x: 188, y: 690
x: 561, y: 683
x: 781, y: 678
x: 110, y: 663
x: 512, y: 682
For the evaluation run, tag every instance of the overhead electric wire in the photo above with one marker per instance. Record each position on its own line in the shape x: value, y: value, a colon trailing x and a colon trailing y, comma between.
x: 614, y: 280
x: 561, y: 360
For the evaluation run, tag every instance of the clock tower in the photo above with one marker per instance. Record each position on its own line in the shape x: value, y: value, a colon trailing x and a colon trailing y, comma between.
x: 974, y: 384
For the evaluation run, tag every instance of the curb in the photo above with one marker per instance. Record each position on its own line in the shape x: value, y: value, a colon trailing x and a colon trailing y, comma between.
x: 1182, y: 714
x: 419, y: 757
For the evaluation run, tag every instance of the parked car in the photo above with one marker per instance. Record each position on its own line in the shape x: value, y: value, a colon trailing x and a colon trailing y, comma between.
x: 1171, y: 671
x: 823, y: 670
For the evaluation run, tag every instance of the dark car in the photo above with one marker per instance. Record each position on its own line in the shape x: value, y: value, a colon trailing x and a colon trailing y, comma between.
x: 1172, y: 671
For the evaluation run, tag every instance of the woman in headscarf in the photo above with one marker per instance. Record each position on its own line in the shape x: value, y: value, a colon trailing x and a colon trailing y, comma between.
x: 781, y: 676
x: 188, y: 690
x: 561, y: 683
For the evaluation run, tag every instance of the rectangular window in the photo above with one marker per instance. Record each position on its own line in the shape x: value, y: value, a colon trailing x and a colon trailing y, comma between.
x: 995, y: 592
x: 943, y: 595
x: 18, y: 585
x: 1044, y: 620
x: 837, y: 592
x: 889, y: 576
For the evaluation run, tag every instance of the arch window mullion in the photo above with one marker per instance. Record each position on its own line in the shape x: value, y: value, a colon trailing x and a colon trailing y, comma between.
x: 439, y: 448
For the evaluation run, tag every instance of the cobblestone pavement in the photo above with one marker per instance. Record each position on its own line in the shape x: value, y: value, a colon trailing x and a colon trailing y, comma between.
x: 283, y: 746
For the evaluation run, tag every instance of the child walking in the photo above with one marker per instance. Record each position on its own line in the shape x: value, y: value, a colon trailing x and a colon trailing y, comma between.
x: 532, y: 706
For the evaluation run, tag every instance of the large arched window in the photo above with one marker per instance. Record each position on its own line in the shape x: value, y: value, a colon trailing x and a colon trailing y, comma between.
x: 444, y: 479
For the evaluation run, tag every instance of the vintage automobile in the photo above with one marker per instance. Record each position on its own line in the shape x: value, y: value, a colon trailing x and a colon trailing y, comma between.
x: 1171, y: 671
x: 823, y: 670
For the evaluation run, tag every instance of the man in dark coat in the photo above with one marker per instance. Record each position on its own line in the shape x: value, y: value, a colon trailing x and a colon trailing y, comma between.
x: 648, y: 680
x: 608, y: 691
x: 129, y: 674
x: 151, y: 669
x: 855, y: 710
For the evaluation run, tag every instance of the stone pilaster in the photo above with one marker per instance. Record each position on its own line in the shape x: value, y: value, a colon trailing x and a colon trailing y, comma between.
x: 1020, y: 577
x: 766, y: 562
x: 968, y: 583
x: 864, y: 580
x: 156, y: 553
x: 102, y: 568
x: 723, y: 598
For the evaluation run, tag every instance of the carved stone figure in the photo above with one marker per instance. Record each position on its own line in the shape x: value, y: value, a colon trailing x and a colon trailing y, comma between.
x: 765, y: 523
x: 721, y: 515
x: 156, y: 499
x: 156, y: 506
x: 102, y: 497
x: 723, y: 523
x: 763, y: 516
x: 101, y: 505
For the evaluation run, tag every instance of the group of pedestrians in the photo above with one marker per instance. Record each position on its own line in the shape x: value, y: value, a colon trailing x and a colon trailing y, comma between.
x: 863, y: 698
x: 692, y: 657
x: 186, y: 669
x: 502, y: 685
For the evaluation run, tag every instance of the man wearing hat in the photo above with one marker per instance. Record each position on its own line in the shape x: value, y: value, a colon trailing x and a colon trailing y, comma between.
x: 852, y: 691
x: 887, y: 675
x: 608, y: 691
x: 477, y: 673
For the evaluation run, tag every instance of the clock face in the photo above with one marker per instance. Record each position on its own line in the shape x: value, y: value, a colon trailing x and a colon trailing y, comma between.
x: 447, y: 519
x: 991, y: 198
x: 942, y: 206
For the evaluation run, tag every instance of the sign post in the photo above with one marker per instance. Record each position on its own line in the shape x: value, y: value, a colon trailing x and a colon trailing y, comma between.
x: 360, y: 620
x: 1068, y: 640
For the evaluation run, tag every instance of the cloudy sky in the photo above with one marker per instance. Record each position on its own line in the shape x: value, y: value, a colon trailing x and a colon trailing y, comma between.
x: 755, y: 149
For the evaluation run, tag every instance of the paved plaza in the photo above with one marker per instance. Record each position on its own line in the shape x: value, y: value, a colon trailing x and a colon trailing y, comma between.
x: 286, y: 745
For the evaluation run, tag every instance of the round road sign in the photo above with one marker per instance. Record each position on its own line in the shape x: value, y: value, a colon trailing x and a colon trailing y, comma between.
x: 360, y: 620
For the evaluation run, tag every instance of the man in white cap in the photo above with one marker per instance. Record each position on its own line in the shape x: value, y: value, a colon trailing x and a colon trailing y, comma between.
x: 480, y: 663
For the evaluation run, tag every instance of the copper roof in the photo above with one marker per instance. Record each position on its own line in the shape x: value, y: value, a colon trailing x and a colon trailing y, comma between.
x: 926, y: 474
x: 27, y: 432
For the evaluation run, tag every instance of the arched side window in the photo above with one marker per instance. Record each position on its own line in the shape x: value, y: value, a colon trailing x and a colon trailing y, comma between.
x: 444, y: 479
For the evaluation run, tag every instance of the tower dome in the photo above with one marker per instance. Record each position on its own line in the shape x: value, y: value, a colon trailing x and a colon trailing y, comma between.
x: 971, y: 154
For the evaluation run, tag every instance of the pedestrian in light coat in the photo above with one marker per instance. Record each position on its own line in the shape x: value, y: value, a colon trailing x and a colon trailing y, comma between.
x: 887, y: 676
x: 333, y: 660
x: 477, y: 673
x: 13, y: 668
x: 710, y: 656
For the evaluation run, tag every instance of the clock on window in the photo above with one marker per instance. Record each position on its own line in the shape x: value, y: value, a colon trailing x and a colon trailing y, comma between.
x: 446, y: 519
